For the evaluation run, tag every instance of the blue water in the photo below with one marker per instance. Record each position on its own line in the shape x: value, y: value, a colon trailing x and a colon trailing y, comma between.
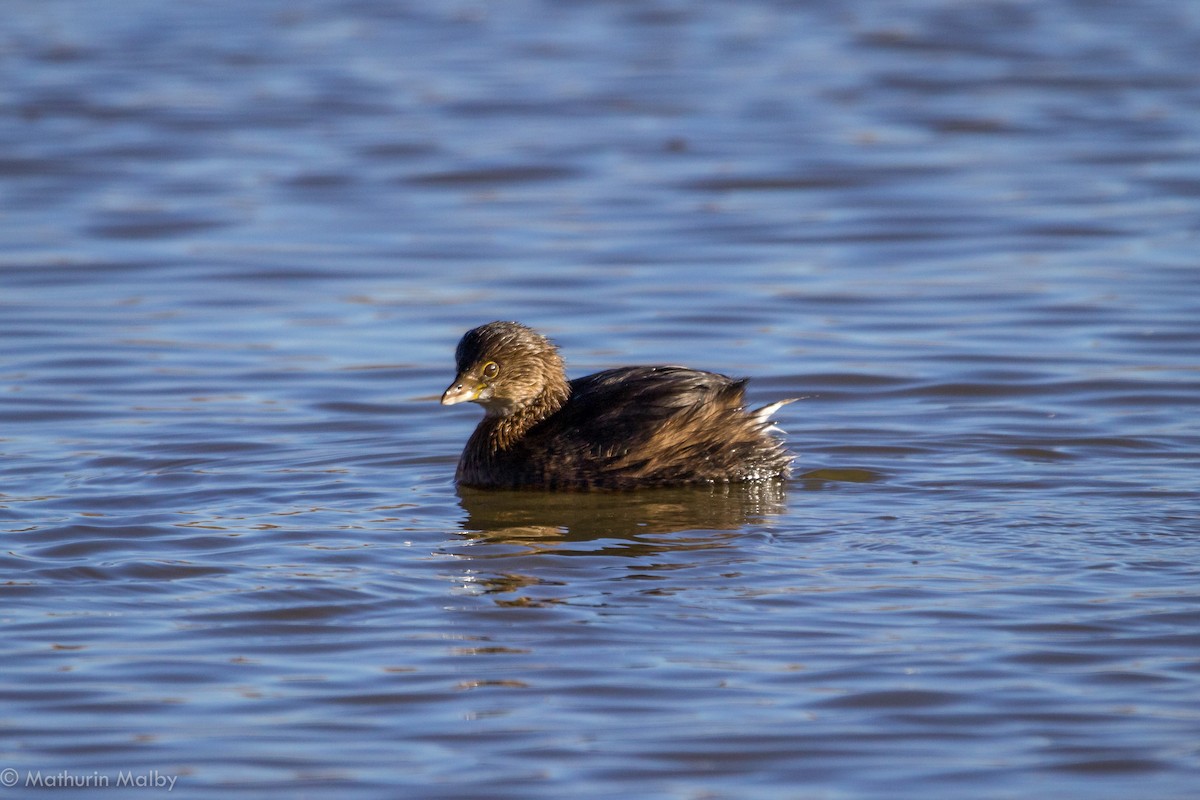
x: 240, y: 241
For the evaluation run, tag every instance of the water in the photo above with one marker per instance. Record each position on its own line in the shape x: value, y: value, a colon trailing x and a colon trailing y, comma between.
x: 242, y: 240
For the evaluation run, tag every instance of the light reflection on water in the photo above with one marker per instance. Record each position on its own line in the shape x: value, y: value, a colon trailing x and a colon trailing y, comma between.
x: 242, y: 242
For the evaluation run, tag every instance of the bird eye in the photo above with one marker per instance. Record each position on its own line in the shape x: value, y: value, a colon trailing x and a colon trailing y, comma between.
x: 490, y: 370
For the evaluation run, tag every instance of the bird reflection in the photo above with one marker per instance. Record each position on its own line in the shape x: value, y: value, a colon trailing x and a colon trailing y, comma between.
x: 656, y: 532
x: 507, y: 516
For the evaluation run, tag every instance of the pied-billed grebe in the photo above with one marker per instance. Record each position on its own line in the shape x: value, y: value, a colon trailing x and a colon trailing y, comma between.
x: 617, y: 429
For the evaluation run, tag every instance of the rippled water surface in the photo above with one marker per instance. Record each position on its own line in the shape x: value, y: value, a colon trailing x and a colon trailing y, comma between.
x: 240, y: 241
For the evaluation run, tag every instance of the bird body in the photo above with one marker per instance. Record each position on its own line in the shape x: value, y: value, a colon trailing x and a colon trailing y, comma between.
x: 620, y: 428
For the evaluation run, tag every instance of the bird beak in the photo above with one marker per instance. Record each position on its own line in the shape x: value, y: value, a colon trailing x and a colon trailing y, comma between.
x: 463, y: 390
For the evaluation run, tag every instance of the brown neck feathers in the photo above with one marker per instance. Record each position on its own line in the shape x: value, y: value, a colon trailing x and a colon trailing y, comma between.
x: 503, y: 432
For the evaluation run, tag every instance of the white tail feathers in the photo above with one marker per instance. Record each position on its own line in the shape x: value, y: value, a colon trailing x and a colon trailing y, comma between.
x: 762, y: 416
